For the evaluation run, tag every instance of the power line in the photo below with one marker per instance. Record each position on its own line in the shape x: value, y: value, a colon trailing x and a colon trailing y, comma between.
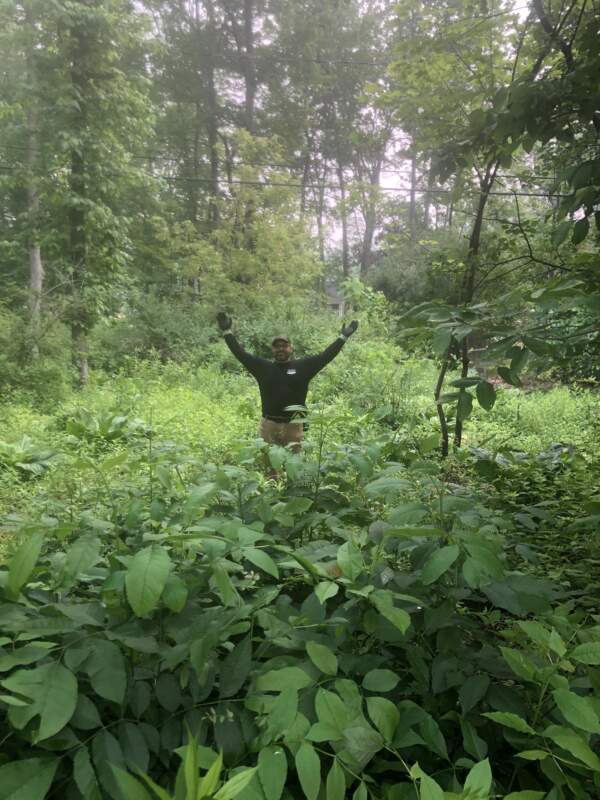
x: 288, y: 185
x: 297, y: 167
x: 335, y: 186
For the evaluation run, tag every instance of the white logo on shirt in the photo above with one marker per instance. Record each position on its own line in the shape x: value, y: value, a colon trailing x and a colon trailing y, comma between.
x: 291, y: 371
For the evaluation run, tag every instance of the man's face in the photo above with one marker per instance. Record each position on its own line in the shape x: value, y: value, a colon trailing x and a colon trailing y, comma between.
x: 281, y: 350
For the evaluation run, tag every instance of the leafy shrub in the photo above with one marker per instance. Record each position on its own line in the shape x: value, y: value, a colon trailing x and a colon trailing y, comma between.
x: 25, y: 457
x: 351, y: 635
x: 104, y: 426
x: 168, y: 329
x: 45, y: 378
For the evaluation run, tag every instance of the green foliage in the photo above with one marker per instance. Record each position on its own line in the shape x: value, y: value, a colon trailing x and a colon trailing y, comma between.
x: 44, y: 378
x: 103, y: 427
x: 326, y: 634
x: 25, y: 457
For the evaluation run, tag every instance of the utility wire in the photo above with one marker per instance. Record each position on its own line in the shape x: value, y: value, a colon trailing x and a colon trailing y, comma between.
x: 282, y: 165
x: 334, y: 186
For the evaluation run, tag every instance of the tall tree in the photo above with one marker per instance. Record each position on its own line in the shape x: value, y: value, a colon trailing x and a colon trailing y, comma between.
x: 98, y: 81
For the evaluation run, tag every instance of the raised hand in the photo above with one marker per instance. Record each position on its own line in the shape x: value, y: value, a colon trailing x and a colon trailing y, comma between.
x: 348, y: 330
x: 224, y: 321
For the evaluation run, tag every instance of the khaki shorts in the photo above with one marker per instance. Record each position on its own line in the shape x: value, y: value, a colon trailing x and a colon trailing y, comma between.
x: 282, y: 433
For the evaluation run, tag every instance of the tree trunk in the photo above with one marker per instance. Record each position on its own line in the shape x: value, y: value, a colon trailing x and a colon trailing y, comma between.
x: 471, y: 271
x: 36, y: 267
x: 77, y: 214
x: 344, y: 221
x: 370, y: 218
x: 212, y: 126
x: 412, y: 208
x: 320, y: 210
x: 304, y: 181
x: 249, y: 65
x: 440, y: 409
x: 427, y: 201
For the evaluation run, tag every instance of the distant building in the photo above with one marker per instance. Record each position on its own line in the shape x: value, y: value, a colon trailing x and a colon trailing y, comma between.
x: 335, y: 300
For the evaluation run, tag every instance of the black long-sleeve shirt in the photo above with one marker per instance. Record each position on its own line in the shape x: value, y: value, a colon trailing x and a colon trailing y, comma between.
x: 284, y: 383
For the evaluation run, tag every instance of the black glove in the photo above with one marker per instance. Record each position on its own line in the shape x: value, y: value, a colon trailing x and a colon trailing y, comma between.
x: 348, y: 330
x: 224, y: 321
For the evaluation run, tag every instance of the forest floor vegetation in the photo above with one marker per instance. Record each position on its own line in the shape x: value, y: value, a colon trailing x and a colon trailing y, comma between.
x: 376, y: 623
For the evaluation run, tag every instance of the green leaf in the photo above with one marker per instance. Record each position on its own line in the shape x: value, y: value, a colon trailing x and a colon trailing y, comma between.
x: 385, y: 715
x: 472, y: 691
x: 587, y: 653
x: 225, y: 587
x: 210, y: 781
x: 235, y: 668
x: 158, y: 790
x: 536, y: 632
x: 465, y: 383
x: 325, y: 590
x: 336, y: 782
x: 464, y: 406
x: 175, y: 594
x: 236, y: 785
x: 573, y: 743
x: 146, y: 578
x: 509, y: 376
x: 361, y: 792
x: 261, y: 560
x: 519, y: 358
x: 83, y: 554
x: 519, y: 663
x: 322, y: 658
x: 350, y: 560
x: 308, y: 768
x: 272, y: 771
x: 580, y: 230
x: 438, y: 563
x: 387, y: 485
x: 441, y: 340
x: 13, y: 701
x: 52, y: 689
x: 383, y: 602
x: 86, y: 716
x: 189, y: 766
x: 479, y: 778
x: 283, y: 713
x: 429, y: 789
x: 134, y: 746
x: 533, y: 755
x: 22, y: 656
x: 472, y: 742
x: 276, y: 680
x: 560, y: 233
x: 331, y: 711
x: 131, y: 788
x: 22, y: 563
x: 528, y: 794
x: 362, y: 742
x: 29, y: 779
x: 106, y: 670
x: 577, y: 710
x: 380, y: 680
x: 509, y: 720
x: 432, y: 735
x: 85, y: 776
x: 486, y: 395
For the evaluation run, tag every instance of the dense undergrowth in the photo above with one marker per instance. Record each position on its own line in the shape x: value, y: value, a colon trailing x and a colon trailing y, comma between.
x: 374, y: 624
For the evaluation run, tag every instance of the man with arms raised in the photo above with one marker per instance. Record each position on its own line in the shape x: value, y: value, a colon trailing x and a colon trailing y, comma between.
x: 283, y: 381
